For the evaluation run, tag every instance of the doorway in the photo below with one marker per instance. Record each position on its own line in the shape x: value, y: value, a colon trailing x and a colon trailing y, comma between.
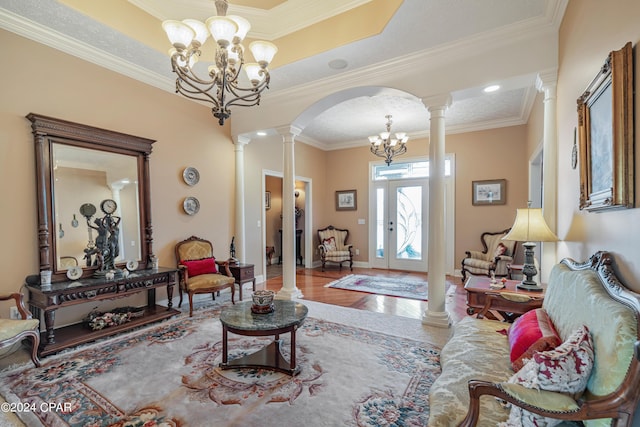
x: 401, y: 224
x: 399, y: 215
x: 272, y: 230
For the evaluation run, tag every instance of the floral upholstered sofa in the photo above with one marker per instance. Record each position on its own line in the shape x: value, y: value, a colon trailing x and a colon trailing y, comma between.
x: 477, y: 360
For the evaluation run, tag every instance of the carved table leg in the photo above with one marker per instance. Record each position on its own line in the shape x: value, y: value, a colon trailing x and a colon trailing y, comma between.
x: 170, y: 295
x: 49, y: 320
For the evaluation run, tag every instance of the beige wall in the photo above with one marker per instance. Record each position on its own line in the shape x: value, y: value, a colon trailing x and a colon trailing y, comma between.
x: 589, y: 31
x: 58, y: 85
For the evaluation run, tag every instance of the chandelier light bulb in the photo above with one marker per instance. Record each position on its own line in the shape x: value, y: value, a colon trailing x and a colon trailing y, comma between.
x: 254, y: 72
x: 243, y: 28
x: 222, y: 30
x: 263, y: 52
x: 180, y: 35
x: 200, y: 30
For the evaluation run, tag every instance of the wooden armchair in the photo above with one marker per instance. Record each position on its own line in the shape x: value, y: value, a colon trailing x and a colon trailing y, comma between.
x: 494, y: 257
x: 333, y: 246
x: 199, y: 271
x: 14, y: 331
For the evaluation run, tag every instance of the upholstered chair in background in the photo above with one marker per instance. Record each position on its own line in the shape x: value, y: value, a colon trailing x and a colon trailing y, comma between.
x: 333, y: 246
x: 199, y: 271
x: 494, y: 257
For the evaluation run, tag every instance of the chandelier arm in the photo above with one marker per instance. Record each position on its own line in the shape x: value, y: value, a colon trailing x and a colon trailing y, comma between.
x: 249, y: 99
x: 185, y: 85
x: 198, y: 96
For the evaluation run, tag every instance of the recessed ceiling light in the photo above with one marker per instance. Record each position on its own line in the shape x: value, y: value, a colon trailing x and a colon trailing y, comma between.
x: 491, y: 88
x: 338, y: 64
x: 261, y: 133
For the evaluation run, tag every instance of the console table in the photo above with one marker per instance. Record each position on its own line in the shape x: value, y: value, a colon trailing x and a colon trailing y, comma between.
x: 90, y: 289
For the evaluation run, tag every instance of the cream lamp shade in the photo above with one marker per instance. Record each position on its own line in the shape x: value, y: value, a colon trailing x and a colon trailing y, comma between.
x: 530, y: 226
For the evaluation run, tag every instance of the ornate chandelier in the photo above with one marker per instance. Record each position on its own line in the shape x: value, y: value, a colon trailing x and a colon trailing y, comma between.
x: 220, y: 86
x: 385, y: 146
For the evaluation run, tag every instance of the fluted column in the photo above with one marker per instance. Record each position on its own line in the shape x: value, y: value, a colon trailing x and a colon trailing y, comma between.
x: 240, y: 142
x: 546, y: 83
x: 289, y: 290
x: 436, y: 313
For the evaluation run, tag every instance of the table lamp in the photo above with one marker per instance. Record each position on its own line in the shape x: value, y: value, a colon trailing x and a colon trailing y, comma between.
x: 530, y: 227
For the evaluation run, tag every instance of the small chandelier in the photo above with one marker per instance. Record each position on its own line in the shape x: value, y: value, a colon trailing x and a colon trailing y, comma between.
x: 220, y: 86
x: 384, y: 146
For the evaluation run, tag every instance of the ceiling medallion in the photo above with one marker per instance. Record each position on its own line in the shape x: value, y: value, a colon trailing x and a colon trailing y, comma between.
x: 383, y: 145
x: 220, y: 87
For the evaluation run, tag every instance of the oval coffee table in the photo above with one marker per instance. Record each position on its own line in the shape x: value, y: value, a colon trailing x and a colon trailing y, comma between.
x: 239, y: 319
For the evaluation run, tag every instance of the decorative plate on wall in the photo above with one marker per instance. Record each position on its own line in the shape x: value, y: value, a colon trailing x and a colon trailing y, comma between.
x: 191, y: 176
x: 191, y: 205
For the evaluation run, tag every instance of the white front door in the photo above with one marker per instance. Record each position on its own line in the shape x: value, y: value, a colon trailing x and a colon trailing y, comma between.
x: 401, y: 224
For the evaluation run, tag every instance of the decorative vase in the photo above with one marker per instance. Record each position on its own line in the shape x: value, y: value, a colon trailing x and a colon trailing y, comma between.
x: 262, y: 301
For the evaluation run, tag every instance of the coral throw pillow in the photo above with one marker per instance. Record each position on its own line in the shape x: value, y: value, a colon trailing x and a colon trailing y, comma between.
x: 501, y: 249
x: 565, y: 369
x: 200, y: 266
x: 330, y: 244
x: 530, y: 333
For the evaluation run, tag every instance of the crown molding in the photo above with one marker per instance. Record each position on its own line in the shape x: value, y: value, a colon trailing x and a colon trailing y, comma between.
x: 56, y: 40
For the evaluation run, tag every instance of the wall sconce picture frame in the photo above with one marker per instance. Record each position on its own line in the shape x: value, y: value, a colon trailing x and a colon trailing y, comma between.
x: 346, y: 200
x: 606, y: 135
x: 489, y: 192
x: 267, y: 199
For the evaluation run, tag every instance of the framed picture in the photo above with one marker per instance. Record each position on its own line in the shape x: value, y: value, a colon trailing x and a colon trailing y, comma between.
x: 267, y: 199
x: 489, y: 192
x: 605, y: 129
x: 346, y: 200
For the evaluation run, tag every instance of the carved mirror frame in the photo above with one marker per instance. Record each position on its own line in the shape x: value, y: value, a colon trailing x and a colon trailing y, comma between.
x: 48, y: 130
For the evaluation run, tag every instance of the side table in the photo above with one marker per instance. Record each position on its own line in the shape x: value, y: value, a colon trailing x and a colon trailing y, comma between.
x: 510, y: 302
x: 243, y: 273
x: 286, y: 317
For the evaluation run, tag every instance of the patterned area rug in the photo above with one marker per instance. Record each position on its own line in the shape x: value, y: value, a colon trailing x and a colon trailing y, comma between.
x: 168, y: 375
x: 405, y: 288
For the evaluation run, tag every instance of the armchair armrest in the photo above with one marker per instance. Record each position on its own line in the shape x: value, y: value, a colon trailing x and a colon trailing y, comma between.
x: 225, y: 265
x: 542, y: 402
x: 322, y: 249
x: 183, y: 273
x: 19, y: 299
x: 507, y: 258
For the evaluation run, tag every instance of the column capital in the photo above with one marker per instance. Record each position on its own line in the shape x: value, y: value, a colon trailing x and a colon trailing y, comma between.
x: 289, y: 130
x: 442, y: 101
x: 241, y: 140
x: 546, y: 79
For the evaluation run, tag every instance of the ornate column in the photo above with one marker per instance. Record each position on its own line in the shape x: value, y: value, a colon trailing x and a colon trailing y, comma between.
x: 289, y: 290
x: 240, y: 142
x: 436, y: 314
x: 546, y: 82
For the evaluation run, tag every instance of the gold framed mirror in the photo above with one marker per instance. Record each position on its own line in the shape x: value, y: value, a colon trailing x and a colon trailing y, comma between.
x: 79, y: 165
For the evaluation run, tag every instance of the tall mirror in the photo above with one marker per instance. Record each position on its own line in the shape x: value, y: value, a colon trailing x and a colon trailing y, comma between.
x: 79, y: 167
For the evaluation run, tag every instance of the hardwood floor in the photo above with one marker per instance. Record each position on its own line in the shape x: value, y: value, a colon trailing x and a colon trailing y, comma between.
x: 311, y: 282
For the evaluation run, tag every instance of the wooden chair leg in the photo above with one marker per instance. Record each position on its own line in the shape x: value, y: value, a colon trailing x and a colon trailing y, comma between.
x: 190, y: 304
x: 35, y: 343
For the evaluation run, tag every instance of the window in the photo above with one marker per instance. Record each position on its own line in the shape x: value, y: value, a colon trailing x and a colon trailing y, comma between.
x: 418, y: 169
